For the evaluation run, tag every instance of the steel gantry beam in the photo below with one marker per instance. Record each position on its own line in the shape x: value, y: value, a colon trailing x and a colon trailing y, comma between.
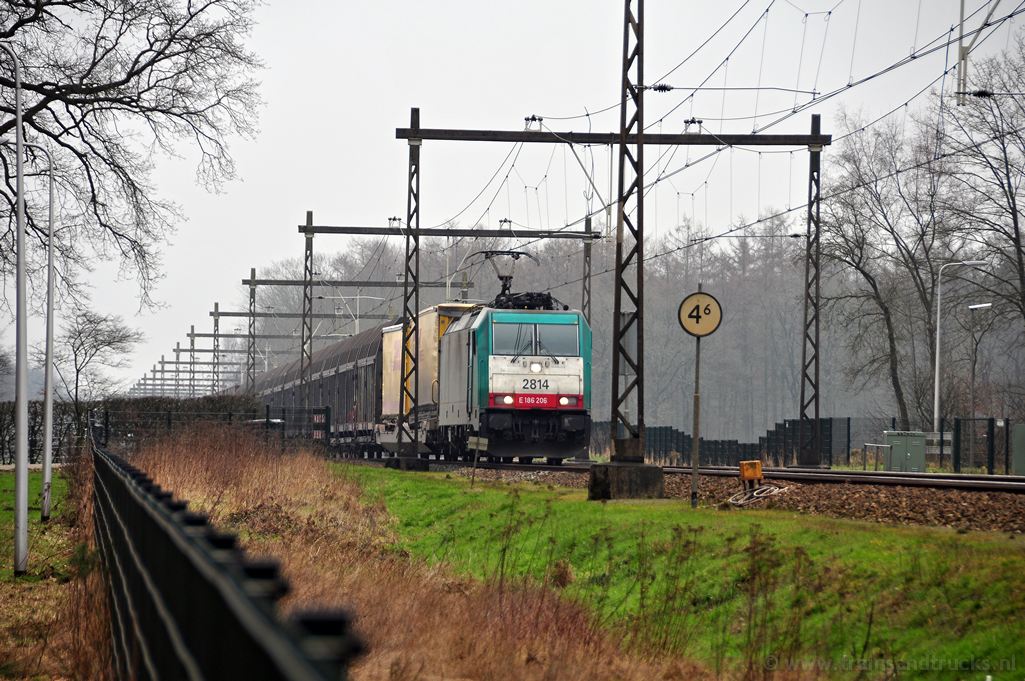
x: 810, y: 435
x: 261, y: 336
x: 607, y: 138
x: 297, y: 315
x: 229, y: 351
x: 306, y: 345
x: 210, y: 374
x: 437, y: 232
x: 340, y: 283
x: 201, y: 364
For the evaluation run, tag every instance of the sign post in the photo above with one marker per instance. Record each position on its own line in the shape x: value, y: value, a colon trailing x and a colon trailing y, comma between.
x: 476, y: 443
x: 700, y: 315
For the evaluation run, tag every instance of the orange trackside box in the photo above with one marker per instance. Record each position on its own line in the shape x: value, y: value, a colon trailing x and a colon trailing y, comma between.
x: 751, y: 470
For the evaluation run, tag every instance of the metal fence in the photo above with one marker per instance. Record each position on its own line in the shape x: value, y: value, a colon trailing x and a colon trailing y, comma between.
x: 63, y: 431
x: 668, y: 446
x: 186, y: 602
x: 128, y: 431
x: 977, y: 445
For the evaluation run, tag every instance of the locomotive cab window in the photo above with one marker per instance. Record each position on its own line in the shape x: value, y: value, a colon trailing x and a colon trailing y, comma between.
x: 558, y: 340
x: 512, y: 339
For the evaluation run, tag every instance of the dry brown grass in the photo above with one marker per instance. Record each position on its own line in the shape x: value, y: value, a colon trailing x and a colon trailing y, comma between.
x: 53, y: 624
x: 420, y: 622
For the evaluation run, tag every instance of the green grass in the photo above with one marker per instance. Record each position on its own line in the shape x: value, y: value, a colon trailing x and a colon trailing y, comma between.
x: 46, y: 544
x: 732, y: 589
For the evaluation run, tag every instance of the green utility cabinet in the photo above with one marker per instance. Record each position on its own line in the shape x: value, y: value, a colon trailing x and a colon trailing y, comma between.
x: 906, y: 453
x: 1018, y: 449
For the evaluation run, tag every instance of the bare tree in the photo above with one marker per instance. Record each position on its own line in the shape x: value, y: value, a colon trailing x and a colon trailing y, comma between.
x: 888, y: 233
x: 989, y: 136
x: 106, y: 84
x: 89, y: 343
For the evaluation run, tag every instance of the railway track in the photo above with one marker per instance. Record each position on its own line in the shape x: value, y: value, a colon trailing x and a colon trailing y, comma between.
x: 964, y: 482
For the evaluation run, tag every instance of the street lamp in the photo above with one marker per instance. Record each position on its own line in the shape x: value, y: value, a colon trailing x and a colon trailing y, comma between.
x: 939, y: 310
x: 21, y: 338
x: 48, y: 369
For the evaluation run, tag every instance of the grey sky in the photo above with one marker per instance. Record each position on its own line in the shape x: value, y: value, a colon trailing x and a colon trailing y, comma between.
x: 341, y: 76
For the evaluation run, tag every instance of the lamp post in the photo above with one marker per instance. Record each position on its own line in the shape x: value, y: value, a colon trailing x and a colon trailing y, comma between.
x: 48, y: 367
x: 972, y: 309
x: 21, y: 338
x: 939, y: 312
x: 44, y: 512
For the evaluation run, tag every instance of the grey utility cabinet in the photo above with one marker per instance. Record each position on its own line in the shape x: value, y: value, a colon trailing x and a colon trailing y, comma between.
x: 1018, y: 449
x: 906, y: 452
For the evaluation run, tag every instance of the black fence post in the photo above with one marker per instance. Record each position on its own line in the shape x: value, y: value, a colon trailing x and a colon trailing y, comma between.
x: 957, y: 445
x: 991, y: 444
x: 893, y: 423
x: 1007, y: 446
x: 942, y: 425
x: 848, y: 440
x: 786, y: 450
x: 832, y: 422
x: 284, y: 427
x: 266, y: 421
x: 106, y: 427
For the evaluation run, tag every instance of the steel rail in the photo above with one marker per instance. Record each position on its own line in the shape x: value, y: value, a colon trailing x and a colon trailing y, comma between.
x: 955, y: 481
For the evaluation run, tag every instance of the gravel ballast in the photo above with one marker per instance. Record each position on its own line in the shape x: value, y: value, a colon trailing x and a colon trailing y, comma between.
x: 985, y: 511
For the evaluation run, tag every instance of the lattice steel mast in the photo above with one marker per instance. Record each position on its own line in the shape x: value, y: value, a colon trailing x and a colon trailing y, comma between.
x: 810, y: 436
x: 628, y: 296
x: 407, y: 426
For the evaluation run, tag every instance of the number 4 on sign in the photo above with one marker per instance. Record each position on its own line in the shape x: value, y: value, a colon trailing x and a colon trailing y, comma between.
x: 700, y: 314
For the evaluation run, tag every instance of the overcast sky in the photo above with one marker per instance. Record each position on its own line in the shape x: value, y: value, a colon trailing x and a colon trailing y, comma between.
x: 341, y: 76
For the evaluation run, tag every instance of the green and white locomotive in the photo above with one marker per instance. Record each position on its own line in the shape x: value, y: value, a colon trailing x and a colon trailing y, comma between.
x: 516, y: 371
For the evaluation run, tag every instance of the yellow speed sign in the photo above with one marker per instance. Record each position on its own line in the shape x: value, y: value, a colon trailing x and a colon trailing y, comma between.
x: 700, y: 314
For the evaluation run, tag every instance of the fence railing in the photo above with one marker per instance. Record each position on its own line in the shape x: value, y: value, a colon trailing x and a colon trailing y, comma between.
x: 187, y: 603
x: 981, y: 445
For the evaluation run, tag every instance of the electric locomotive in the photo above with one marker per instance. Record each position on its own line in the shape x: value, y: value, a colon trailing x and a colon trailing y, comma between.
x: 516, y: 371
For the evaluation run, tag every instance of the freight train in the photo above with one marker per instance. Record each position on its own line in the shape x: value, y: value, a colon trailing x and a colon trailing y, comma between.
x: 516, y: 371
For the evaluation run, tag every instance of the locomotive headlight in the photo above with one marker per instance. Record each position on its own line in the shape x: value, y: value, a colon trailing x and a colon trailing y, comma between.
x: 535, y: 367
x: 564, y: 401
x: 508, y: 399
x: 568, y: 401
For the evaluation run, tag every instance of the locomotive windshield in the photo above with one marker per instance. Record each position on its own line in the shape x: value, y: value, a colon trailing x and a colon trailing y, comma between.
x: 557, y: 340
x: 513, y: 339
